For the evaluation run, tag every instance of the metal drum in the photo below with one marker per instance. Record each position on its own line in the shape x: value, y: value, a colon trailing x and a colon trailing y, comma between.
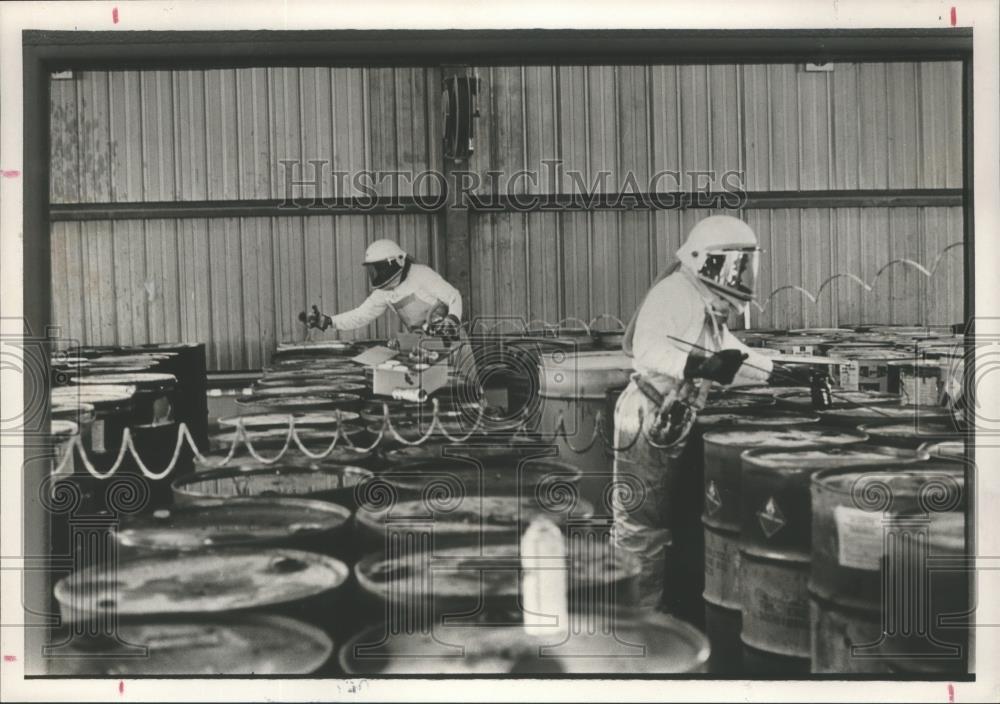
x: 872, y: 416
x: 325, y: 482
x: 687, y: 553
x: 543, y: 481
x: 573, y: 389
x: 316, y: 526
x: 798, y: 344
x: 314, y: 439
x: 520, y: 359
x: 937, y: 643
x: 506, y: 452
x: 187, y: 362
x: 154, y: 394
x: 206, y: 584
x: 102, y: 412
x: 485, y: 583
x: 644, y: 643
x: 250, y: 645
x: 775, y: 544
x: 867, y: 369
x: 253, y: 403
x: 721, y: 520
x: 443, y: 517
x: 917, y: 381
x: 323, y: 388
x: 309, y: 349
x: 872, y: 529
x: 913, y: 434
x: 802, y: 400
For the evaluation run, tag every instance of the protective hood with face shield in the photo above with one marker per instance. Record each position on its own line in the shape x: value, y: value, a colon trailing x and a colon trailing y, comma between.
x: 722, y: 253
x: 387, y: 264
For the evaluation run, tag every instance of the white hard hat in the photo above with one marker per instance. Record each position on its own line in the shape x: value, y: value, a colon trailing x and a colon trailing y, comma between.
x: 722, y: 252
x: 383, y: 251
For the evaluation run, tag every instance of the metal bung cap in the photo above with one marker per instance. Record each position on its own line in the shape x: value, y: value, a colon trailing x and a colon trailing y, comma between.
x: 231, y: 523
x: 201, y: 582
x: 249, y: 645
x: 794, y: 437
x: 467, y: 571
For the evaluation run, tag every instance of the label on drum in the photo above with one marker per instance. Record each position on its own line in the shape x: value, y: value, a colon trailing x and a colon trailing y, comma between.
x: 859, y: 538
x: 713, y: 502
x: 722, y: 566
x: 776, y: 606
x: 97, y: 436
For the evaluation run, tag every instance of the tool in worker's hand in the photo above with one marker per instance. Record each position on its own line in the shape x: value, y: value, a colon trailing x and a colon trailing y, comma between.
x: 316, y: 319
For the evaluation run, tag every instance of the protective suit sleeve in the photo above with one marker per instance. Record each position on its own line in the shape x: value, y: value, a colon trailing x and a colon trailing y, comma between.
x: 670, y: 313
x: 756, y: 368
x: 367, y: 312
x: 435, y: 284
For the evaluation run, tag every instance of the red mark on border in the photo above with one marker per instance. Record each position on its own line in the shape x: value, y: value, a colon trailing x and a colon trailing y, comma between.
x: 114, y: 15
x: 951, y: 688
x: 10, y: 173
x: 121, y: 686
x: 10, y: 658
x: 954, y: 16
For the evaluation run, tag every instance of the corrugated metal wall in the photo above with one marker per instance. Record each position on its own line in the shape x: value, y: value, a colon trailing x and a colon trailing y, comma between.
x: 861, y: 126
x: 238, y: 283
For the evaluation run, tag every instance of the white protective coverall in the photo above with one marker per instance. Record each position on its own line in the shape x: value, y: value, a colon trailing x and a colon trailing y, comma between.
x: 422, y: 291
x: 413, y: 299
x: 682, y: 307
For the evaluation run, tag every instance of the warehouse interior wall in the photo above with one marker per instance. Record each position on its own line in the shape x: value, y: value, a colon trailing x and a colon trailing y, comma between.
x: 238, y: 283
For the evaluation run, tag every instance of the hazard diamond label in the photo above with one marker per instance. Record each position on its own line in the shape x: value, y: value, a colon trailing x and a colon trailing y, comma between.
x: 771, y: 518
x: 713, y: 502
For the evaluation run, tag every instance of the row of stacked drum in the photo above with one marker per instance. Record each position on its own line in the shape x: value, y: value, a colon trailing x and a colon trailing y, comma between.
x: 374, y: 555
x: 833, y: 539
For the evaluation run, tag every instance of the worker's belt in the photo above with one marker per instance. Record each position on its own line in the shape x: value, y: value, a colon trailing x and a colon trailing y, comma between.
x: 648, y: 390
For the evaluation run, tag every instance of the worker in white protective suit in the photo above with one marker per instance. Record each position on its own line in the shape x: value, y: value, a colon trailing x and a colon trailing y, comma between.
x: 420, y: 296
x: 680, y: 346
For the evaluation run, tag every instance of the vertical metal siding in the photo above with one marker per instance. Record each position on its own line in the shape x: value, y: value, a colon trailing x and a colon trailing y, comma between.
x: 192, y: 135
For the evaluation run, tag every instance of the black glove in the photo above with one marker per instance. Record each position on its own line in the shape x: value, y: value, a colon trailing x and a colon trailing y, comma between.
x: 446, y: 327
x: 721, y: 366
x: 316, y: 319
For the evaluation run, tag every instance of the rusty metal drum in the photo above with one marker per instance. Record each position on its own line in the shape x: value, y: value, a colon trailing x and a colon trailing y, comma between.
x: 722, y: 516
x: 644, y: 643
x: 775, y: 542
x: 252, y: 644
x: 869, y: 527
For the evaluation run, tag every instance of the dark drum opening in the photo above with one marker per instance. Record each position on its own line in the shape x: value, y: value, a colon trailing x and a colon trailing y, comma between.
x: 287, y: 565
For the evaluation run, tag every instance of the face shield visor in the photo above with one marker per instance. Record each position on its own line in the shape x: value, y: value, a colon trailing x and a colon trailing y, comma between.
x: 383, y: 273
x: 731, y: 271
